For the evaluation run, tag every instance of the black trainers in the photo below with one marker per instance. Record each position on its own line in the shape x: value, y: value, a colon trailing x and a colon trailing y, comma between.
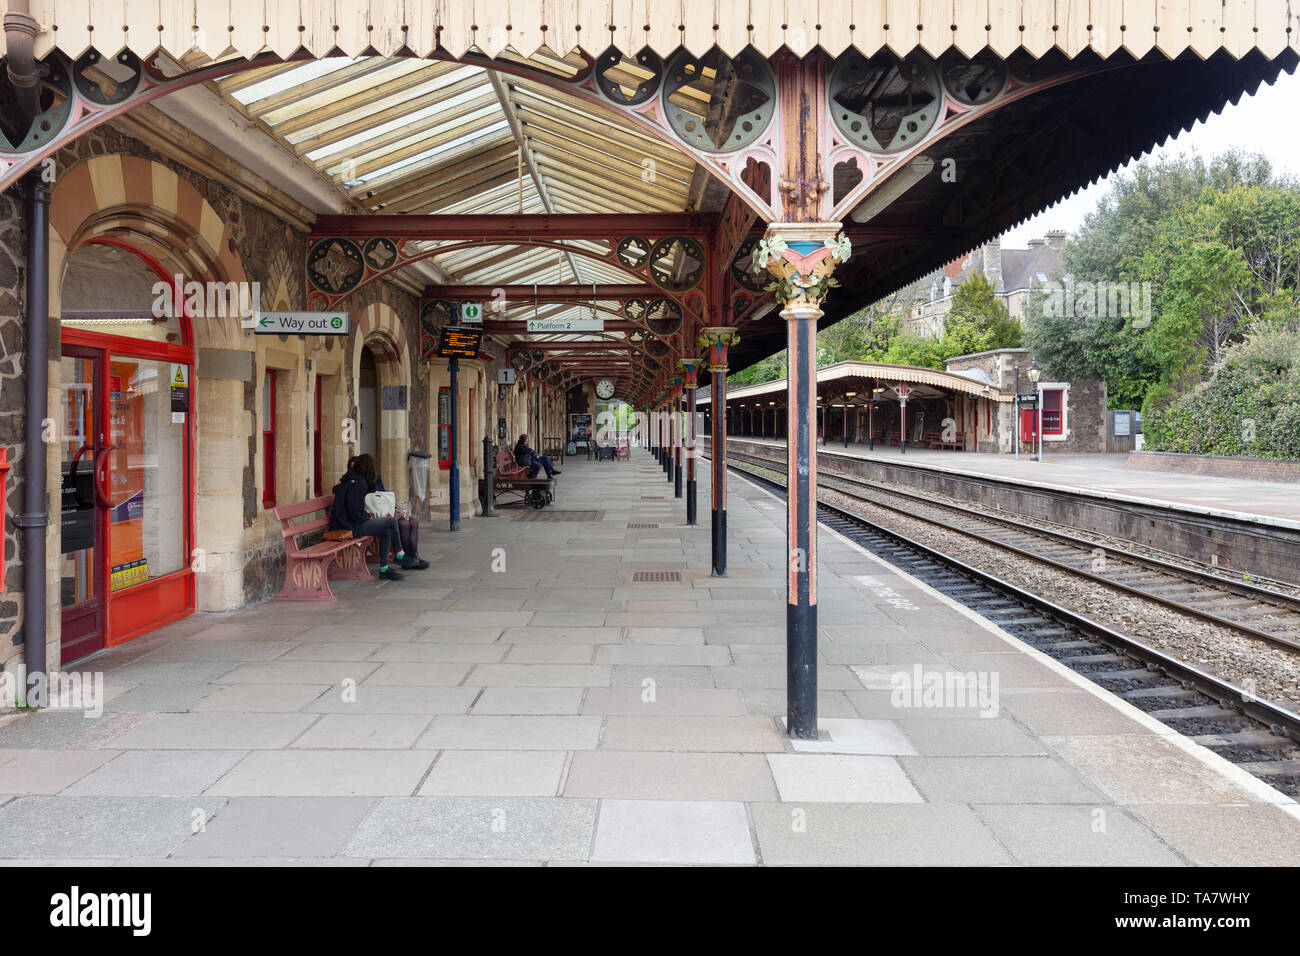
x: 388, y: 574
x: 409, y: 563
x: 556, y: 472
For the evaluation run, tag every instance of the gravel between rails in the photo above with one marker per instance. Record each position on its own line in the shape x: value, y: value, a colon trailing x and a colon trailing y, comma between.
x: 1270, y: 672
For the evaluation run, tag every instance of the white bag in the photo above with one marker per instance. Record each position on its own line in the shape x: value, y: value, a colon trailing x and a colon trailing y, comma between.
x: 381, y: 504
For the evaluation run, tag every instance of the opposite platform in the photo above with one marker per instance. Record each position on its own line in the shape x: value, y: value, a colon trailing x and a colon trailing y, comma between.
x: 571, y: 685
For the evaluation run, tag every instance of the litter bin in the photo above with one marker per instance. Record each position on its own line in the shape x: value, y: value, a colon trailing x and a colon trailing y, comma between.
x: 418, y: 462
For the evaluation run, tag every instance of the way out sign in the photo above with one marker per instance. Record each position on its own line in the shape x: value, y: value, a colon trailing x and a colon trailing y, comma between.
x: 301, y: 323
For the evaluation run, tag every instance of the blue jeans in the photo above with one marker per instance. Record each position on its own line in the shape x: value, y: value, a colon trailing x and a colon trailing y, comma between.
x: 538, y: 463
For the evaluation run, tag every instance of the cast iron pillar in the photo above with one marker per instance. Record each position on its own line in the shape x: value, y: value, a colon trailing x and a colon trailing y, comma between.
x: 678, y: 434
x: 801, y: 257
x: 717, y: 339
x: 666, y: 430
x: 453, y: 484
x: 690, y: 381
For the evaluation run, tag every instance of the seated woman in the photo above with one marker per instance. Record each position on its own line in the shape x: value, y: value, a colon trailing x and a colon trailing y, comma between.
x: 532, y: 461
x: 349, y: 513
x: 408, y: 526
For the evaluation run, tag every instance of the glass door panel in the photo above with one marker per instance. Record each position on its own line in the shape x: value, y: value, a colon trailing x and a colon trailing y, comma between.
x: 147, y: 469
x: 80, y: 517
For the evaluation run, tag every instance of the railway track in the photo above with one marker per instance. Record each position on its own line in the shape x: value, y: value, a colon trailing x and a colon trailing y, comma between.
x: 1256, y: 734
x: 1260, y: 612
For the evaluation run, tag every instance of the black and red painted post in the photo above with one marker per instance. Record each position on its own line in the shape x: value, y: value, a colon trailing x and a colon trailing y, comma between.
x: 716, y: 340
x: 679, y: 437
x: 690, y: 382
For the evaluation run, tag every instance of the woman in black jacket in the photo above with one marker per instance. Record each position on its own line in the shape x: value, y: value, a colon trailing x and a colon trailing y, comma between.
x: 408, y: 527
x: 349, y: 512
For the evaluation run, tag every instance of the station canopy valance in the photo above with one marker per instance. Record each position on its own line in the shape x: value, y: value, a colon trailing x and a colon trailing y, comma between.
x: 319, y: 28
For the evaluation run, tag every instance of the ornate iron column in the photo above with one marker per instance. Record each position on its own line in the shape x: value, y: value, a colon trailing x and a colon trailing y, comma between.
x: 716, y: 340
x: 678, y: 437
x: 690, y: 383
x: 801, y: 256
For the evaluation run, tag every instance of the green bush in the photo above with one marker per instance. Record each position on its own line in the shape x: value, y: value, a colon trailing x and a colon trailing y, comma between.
x: 1250, y: 406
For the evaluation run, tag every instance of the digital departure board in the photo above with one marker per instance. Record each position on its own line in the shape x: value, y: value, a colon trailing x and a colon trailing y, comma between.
x: 456, y: 342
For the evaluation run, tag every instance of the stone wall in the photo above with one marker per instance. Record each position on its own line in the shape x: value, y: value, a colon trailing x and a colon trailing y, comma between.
x: 13, y: 414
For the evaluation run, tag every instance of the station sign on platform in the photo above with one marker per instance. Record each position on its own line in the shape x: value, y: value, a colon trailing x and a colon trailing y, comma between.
x: 471, y: 313
x: 566, y: 325
x: 1027, y: 398
x: 301, y: 323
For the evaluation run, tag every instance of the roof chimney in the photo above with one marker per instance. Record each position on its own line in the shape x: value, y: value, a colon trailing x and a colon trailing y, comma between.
x: 1055, y: 239
x: 993, y: 263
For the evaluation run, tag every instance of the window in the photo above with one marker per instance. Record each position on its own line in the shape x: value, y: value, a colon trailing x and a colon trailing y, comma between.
x: 444, y: 428
x: 1053, y: 411
x: 268, y: 440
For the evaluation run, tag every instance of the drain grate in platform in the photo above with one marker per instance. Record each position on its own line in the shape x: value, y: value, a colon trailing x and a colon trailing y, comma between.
x: 641, y: 525
x: 645, y: 577
x: 548, y: 514
x: 652, y: 497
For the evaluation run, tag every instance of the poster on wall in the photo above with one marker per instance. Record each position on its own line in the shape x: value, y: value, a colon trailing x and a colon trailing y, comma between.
x: 580, y: 428
x: 127, y: 564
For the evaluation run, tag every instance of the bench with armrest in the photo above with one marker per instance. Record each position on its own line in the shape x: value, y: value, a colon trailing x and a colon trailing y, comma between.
x: 512, y: 478
x: 308, y: 570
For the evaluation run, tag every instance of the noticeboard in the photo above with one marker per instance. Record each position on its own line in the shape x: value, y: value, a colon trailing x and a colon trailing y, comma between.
x: 457, y: 342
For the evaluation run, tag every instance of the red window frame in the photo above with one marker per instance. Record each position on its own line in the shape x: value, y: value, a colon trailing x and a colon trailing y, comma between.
x: 1054, y: 426
x: 268, y: 440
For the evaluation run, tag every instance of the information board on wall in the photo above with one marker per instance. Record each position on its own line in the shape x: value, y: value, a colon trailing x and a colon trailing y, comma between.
x: 457, y: 342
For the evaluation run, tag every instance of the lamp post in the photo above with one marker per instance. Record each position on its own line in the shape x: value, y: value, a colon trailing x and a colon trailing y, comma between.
x: 1034, y: 374
x: 876, y: 392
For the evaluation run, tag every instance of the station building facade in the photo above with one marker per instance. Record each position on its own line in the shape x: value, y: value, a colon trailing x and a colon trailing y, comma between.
x: 207, y: 426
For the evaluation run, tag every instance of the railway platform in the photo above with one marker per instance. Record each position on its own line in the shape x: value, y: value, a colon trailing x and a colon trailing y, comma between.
x: 572, y: 686
x: 1097, y: 475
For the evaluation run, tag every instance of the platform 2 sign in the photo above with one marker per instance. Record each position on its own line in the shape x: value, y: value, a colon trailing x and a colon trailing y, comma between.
x: 301, y: 323
x: 456, y: 342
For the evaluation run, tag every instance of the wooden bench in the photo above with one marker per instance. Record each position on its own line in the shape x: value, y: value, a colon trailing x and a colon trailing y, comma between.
x: 512, y: 478
x: 308, y: 570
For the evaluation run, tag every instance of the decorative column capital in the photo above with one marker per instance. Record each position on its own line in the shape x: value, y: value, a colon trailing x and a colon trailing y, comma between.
x: 689, y: 367
x: 800, y: 257
x: 717, y: 339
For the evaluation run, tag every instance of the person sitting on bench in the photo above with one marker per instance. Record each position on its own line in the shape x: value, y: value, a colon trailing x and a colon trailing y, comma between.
x: 349, y: 513
x: 532, y: 461
x: 408, y: 527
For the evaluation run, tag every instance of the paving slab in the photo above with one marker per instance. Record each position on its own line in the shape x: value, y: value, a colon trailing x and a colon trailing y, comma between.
x: 998, y: 780
x: 482, y: 732
x: 664, y: 702
x: 48, y: 771
x: 507, y: 773
x: 873, y: 834
x: 1226, y: 835
x: 394, y: 699
x: 839, y: 778
x: 278, y: 827
x: 1075, y: 836
x: 363, y: 732
x: 673, y: 831
x: 706, y: 734
x: 481, y: 828
x: 156, y: 773
x: 97, y: 827
x: 669, y: 776
x: 215, y: 731
x: 330, y: 773
x: 529, y: 701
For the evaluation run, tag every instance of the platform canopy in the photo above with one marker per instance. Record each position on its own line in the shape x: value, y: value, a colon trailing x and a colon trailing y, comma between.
x: 321, y: 28
x: 855, y: 376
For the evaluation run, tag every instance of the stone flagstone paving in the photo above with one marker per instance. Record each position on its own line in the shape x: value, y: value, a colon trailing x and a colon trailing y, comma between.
x: 525, y: 700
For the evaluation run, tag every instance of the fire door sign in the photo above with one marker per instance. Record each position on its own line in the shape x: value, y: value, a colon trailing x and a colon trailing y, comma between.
x: 180, y: 392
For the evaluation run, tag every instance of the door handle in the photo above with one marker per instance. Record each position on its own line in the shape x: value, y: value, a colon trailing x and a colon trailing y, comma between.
x: 101, y: 477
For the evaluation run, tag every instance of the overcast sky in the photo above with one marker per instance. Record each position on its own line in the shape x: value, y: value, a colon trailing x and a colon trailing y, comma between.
x: 1265, y: 123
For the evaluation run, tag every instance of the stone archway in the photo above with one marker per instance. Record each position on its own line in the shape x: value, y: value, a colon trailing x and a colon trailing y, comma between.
x: 149, y: 206
x: 379, y: 329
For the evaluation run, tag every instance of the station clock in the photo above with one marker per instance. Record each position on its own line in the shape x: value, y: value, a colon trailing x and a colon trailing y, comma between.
x: 605, y: 389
